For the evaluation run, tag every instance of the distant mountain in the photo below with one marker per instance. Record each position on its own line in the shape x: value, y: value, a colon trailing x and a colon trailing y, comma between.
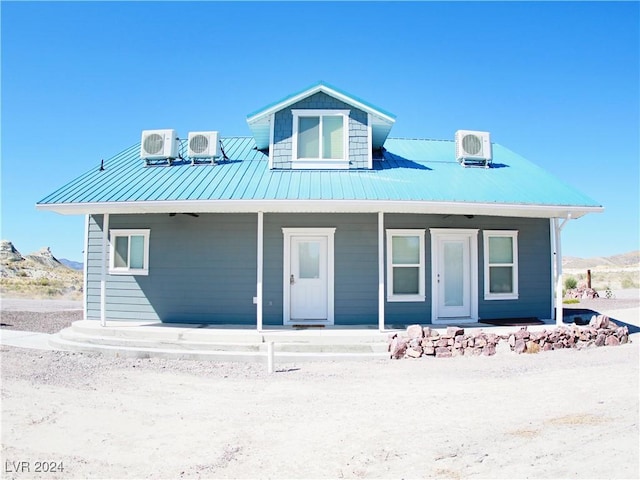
x: 72, y: 264
x: 37, y: 275
x: 630, y: 259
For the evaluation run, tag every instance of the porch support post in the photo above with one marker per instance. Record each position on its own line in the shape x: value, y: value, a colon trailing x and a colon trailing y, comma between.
x: 103, y: 275
x: 85, y: 268
x: 558, y: 264
x: 259, y: 270
x: 381, y: 271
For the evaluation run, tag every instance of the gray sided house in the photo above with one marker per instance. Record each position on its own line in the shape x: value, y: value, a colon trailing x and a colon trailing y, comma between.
x: 320, y: 218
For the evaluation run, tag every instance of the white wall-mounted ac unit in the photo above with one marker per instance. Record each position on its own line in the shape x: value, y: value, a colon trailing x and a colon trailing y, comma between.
x: 474, y: 147
x: 159, y: 144
x: 203, y: 145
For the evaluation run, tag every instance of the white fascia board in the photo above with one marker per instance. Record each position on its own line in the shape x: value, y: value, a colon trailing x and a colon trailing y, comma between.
x: 323, y: 206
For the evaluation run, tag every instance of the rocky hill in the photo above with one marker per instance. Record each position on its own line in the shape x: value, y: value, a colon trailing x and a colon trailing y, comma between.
x: 630, y: 259
x: 38, y: 274
x: 615, y: 272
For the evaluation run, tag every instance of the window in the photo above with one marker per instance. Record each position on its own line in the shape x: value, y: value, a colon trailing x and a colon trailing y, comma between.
x: 129, y: 252
x: 405, y: 265
x: 320, y: 139
x: 500, y: 264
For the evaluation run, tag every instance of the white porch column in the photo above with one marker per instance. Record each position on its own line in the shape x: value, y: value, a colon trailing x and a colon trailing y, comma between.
x: 259, y: 270
x: 381, y: 271
x: 103, y: 276
x: 85, y: 256
x: 558, y: 254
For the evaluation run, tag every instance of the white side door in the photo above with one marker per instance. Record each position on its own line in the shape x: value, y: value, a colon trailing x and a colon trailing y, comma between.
x: 454, y: 275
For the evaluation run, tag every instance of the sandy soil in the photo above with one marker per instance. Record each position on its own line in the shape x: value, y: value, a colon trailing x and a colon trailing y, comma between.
x: 561, y: 414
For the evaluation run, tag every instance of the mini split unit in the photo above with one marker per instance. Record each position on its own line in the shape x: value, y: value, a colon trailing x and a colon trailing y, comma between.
x: 473, y: 148
x: 164, y: 145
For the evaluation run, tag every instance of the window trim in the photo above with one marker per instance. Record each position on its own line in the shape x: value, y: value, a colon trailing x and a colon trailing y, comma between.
x: 320, y: 163
x: 113, y: 234
x: 399, y: 297
x: 514, y: 294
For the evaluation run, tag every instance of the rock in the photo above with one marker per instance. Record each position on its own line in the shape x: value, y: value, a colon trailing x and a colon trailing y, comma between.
x: 426, y: 332
x: 601, y: 321
x: 523, y: 333
x: 8, y: 252
x: 443, y: 352
x: 489, y: 350
x: 520, y: 346
x: 414, y: 352
x: 454, y: 331
x: 415, y: 331
x: 398, y: 347
x: 532, y: 347
x: 427, y: 343
x: 600, y: 339
x: 480, y: 342
x: 442, y: 342
x: 612, y: 341
x: 429, y: 350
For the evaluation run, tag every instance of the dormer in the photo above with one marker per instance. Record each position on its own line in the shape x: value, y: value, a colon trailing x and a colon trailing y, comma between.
x: 320, y: 127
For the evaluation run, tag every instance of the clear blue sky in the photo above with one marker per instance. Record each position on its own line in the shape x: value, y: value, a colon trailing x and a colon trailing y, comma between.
x: 555, y: 82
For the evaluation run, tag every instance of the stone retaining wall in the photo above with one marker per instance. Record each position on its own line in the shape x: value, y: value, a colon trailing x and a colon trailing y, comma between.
x: 418, y: 341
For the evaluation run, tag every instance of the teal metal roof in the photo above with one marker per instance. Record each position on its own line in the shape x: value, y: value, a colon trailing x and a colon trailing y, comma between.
x: 416, y: 172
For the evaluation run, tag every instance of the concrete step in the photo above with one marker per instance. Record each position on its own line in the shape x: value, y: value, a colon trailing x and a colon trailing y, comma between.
x: 187, y: 342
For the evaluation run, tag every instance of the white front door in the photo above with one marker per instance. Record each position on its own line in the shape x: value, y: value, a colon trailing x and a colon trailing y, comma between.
x: 454, y: 275
x: 308, y: 286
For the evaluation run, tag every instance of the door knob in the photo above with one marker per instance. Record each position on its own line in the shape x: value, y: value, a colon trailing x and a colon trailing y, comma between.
x: 292, y: 279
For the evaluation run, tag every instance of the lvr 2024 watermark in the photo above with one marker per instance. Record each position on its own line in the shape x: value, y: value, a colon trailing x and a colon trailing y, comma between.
x: 27, y: 466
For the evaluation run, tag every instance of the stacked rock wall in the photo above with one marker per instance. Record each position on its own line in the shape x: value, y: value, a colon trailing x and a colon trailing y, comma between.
x: 417, y: 341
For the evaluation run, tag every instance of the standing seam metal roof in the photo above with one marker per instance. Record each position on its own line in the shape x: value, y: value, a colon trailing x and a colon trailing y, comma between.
x: 407, y: 170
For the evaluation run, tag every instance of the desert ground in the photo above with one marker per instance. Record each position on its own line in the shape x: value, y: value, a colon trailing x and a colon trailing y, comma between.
x: 559, y: 414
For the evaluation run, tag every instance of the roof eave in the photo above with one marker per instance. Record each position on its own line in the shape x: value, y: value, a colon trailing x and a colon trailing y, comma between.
x: 322, y: 206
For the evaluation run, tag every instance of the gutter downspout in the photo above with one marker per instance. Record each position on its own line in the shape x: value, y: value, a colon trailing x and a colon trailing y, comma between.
x: 557, y: 227
x: 103, y: 275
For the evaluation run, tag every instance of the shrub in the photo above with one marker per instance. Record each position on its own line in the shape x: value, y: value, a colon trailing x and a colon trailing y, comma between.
x: 571, y: 300
x: 628, y: 282
x: 570, y: 283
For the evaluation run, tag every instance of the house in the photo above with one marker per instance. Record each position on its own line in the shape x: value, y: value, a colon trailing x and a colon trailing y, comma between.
x: 321, y: 218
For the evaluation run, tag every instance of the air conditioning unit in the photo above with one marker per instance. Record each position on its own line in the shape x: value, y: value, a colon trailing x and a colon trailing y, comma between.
x: 473, y: 147
x: 159, y: 144
x: 203, y: 145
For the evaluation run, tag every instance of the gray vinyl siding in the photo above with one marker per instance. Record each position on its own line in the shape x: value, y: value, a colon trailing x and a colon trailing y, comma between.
x: 203, y: 270
x: 355, y: 265
x: 534, y: 268
x: 358, y: 131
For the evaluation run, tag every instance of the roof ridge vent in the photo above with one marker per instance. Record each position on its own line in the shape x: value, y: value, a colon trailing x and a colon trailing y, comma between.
x: 473, y: 148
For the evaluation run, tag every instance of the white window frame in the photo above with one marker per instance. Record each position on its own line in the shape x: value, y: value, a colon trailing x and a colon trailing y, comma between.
x: 399, y: 297
x: 320, y: 163
x: 113, y: 234
x: 513, y: 234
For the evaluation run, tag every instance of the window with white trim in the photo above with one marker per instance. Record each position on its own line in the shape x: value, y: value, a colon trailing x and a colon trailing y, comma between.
x: 500, y: 264
x: 129, y: 252
x: 320, y: 138
x: 405, y: 265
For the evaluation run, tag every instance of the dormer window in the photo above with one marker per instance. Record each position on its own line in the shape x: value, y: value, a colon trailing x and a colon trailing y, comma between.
x: 320, y: 139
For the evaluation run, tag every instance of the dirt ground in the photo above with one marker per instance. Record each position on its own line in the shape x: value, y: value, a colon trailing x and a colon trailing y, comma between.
x: 560, y: 414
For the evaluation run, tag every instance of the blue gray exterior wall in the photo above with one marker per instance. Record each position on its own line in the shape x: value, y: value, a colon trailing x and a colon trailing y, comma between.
x: 283, y: 130
x: 203, y: 270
